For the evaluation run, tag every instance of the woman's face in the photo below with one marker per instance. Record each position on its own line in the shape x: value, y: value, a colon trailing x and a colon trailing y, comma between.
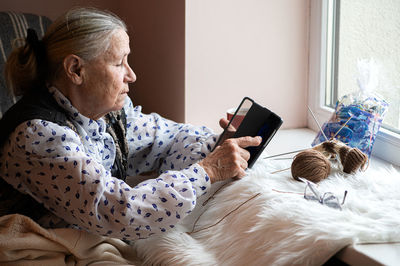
x: 106, y: 77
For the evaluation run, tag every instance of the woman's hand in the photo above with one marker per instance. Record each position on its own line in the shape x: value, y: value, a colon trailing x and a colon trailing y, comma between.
x: 230, y: 131
x: 229, y: 159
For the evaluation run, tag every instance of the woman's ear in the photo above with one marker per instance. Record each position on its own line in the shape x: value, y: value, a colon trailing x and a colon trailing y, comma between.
x: 73, y: 68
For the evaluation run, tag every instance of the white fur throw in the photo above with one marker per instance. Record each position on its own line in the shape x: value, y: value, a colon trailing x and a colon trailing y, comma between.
x: 278, y: 228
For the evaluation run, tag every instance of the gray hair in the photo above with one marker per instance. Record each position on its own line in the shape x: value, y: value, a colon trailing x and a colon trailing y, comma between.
x: 85, y: 32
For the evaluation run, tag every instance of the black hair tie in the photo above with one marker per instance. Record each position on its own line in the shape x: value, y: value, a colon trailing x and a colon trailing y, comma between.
x: 38, y: 48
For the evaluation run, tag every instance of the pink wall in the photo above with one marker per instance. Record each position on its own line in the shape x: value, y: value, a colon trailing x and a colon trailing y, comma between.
x: 252, y: 48
x: 195, y: 59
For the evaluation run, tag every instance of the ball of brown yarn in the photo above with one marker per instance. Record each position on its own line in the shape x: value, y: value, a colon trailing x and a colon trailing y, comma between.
x: 311, y: 165
x: 355, y: 160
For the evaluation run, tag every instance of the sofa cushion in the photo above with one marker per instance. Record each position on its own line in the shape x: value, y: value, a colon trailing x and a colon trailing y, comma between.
x: 13, y: 26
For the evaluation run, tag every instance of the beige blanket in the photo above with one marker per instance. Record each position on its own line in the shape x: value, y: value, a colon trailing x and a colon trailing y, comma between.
x: 24, y: 242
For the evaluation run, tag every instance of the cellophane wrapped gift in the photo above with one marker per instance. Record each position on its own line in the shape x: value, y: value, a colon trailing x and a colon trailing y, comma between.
x: 360, y: 114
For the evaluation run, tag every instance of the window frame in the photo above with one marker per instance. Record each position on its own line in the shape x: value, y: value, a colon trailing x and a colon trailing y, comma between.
x: 387, y: 143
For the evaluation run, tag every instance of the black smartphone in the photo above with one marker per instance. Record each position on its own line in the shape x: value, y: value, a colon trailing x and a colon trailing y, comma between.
x: 257, y: 121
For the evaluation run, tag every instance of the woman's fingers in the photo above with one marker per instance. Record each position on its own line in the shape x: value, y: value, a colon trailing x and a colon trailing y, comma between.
x: 223, y: 122
x: 245, y: 142
x: 229, y: 132
x: 229, y: 159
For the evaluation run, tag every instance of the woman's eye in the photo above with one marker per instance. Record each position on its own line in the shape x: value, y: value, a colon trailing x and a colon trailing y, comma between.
x: 123, y: 60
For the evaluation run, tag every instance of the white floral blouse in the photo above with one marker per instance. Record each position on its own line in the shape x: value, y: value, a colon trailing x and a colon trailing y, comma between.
x: 71, y: 174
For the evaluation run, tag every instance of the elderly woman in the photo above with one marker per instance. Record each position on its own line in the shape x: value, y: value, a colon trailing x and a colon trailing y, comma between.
x: 68, y: 145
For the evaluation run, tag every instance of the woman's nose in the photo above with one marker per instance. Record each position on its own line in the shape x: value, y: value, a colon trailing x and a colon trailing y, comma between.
x: 130, y: 76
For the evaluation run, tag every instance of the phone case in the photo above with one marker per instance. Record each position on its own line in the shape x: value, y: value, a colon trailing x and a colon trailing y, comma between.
x: 259, y: 121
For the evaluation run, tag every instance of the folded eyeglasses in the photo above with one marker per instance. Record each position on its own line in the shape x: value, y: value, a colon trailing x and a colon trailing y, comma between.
x: 327, y: 198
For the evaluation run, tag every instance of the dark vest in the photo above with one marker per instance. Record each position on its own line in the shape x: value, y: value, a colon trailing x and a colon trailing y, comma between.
x: 40, y: 104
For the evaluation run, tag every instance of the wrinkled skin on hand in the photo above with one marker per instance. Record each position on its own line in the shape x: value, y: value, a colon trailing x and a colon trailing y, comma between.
x: 229, y: 159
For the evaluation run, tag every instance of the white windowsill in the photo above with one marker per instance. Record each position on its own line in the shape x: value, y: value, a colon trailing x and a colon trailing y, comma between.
x: 287, y: 140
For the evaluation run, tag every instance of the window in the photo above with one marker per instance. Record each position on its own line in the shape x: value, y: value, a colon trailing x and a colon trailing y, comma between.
x: 341, y: 33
